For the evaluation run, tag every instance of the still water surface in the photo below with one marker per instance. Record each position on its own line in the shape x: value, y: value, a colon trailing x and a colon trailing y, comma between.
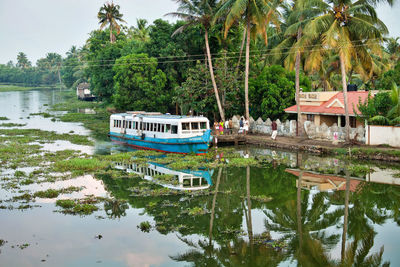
x: 284, y: 214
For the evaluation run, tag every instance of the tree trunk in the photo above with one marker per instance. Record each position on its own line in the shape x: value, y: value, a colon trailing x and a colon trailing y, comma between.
x: 299, y: 225
x: 344, y: 85
x: 111, y: 35
x: 346, y: 215
x: 249, y: 225
x: 213, y: 206
x: 210, y: 66
x: 241, y: 51
x: 299, y: 119
x: 246, y: 79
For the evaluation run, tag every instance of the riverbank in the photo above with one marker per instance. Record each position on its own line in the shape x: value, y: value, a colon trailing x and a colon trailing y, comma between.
x: 9, y: 87
x: 320, y: 147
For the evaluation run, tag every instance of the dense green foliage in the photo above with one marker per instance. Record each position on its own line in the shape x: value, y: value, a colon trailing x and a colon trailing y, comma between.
x: 139, y: 84
x: 175, y: 54
x: 273, y: 91
x: 383, y: 109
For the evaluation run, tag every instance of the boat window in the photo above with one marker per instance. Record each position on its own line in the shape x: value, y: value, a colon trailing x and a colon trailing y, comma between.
x: 123, y: 124
x: 167, y: 128
x: 185, y: 126
x: 130, y: 125
x: 203, y: 125
x: 174, y: 129
x: 158, y: 127
x: 195, y: 126
x: 134, y: 125
x: 162, y: 128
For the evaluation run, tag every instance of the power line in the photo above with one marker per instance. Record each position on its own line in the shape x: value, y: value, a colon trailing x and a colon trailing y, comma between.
x: 222, y: 53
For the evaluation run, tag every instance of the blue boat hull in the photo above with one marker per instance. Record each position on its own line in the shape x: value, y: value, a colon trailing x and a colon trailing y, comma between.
x: 197, y: 145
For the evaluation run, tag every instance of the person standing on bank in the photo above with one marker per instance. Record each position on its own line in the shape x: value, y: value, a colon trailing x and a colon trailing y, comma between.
x: 274, y: 130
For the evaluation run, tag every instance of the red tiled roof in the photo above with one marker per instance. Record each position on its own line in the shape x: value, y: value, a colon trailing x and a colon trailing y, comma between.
x: 323, y: 177
x: 353, y: 100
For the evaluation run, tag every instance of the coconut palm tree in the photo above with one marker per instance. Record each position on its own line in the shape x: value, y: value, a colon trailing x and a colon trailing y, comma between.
x: 200, y: 13
x: 109, y: 14
x: 351, y: 29
x: 22, y: 61
x: 297, y: 15
x: 256, y: 14
x: 141, y: 32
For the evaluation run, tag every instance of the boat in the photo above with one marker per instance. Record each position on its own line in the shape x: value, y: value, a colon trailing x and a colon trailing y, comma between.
x: 181, y: 180
x: 161, y: 132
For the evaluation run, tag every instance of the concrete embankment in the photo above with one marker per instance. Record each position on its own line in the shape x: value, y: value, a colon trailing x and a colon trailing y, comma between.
x: 320, y: 147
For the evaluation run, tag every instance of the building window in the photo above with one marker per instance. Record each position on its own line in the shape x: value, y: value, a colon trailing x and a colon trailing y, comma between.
x: 310, y: 117
x: 353, y: 122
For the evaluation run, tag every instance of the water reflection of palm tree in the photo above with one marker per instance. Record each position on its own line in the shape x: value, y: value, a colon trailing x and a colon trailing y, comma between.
x: 115, y: 208
x: 303, y: 227
x: 354, y: 255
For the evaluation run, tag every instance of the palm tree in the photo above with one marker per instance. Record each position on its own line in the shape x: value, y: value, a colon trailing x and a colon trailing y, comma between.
x: 297, y: 16
x: 256, y: 14
x: 22, y: 61
x: 109, y: 14
x: 200, y: 13
x: 395, y: 96
x: 141, y: 32
x: 353, y: 30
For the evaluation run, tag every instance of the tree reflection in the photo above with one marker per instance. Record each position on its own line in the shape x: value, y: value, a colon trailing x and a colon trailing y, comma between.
x: 115, y: 208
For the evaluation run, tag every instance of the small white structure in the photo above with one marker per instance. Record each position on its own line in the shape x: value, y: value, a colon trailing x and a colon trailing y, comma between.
x: 383, y: 135
x: 83, y: 92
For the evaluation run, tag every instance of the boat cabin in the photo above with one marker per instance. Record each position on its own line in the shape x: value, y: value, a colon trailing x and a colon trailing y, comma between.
x: 157, y: 125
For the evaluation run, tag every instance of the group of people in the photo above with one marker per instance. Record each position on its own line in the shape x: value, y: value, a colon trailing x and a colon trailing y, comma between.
x: 221, y: 126
x: 227, y: 126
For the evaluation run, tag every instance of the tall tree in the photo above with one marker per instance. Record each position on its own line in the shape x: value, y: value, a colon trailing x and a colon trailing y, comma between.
x: 22, y: 61
x: 109, y: 14
x: 256, y: 14
x: 298, y: 14
x: 351, y: 29
x: 195, y: 12
x: 141, y: 31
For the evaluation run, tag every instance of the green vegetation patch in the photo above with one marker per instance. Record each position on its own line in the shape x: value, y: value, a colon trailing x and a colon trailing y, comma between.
x: 78, y: 206
x: 80, y: 165
x: 144, y: 226
x: 4, y: 119
x: 44, y: 114
x: 12, y: 124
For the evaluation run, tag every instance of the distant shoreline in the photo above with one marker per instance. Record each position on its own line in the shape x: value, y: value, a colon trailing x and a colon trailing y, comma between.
x: 9, y: 87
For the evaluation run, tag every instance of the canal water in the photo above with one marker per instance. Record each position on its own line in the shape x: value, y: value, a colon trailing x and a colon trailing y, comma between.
x: 298, y: 209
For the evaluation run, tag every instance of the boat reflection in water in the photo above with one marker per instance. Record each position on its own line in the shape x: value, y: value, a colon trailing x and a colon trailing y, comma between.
x: 180, y: 180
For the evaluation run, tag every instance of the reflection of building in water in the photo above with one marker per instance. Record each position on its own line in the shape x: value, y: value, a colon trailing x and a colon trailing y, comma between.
x: 179, y: 180
x: 323, y: 182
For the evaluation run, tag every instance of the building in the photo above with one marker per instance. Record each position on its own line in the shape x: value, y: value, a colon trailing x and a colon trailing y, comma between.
x: 328, y: 107
x: 83, y: 92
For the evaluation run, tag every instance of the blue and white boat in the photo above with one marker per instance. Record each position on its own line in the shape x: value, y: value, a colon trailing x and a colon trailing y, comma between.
x: 160, y: 132
x: 181, y: 180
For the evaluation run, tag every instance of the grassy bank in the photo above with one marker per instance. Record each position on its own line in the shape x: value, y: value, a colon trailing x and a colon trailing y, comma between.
x: 7, y: 87
x: 98, y: 122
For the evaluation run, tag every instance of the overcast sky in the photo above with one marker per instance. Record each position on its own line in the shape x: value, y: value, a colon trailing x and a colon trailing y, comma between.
x: 41, y: 26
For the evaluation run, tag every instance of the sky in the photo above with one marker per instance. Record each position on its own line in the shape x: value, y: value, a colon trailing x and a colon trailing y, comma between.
x: 42, y: 26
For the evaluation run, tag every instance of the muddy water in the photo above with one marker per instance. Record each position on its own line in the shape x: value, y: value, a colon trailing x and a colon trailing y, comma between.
x: 297, y: 209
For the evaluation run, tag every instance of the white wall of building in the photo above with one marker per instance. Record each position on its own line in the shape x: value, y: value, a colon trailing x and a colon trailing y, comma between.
x: 383, y: 135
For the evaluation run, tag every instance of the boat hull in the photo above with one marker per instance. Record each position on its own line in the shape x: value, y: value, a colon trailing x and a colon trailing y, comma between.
x: 197, y: 145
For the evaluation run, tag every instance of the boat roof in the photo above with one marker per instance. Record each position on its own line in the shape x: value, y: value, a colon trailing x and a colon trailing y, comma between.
x: 158, y: 116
